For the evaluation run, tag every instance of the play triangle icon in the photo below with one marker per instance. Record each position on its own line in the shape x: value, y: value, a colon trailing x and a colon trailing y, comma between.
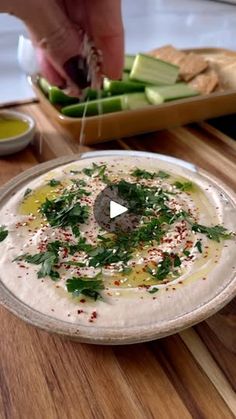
x: 116, y: 209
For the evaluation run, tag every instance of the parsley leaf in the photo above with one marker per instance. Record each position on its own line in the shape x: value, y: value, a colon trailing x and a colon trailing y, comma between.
x: 47, y: 260
x: 90, y: 287
x: 27, y: 192
x: 140, y: 197
x: 186, y: 252
x: 153, y: 290
x: 54, y: 182
x: 78, y: 182
x: 184, y: 186
x: 144, y: 174
x: 198, y: 245
x: 101, y: 256
x: 3, y: 233
x: 148, y: 233
x: 162, y: 175
x: 165, y: 267
x: 81, y: 245
x: 214, y: 233
x: 65, y: 210
x: 98, y: 170
x: 74, y: 172
x: 177, y: 261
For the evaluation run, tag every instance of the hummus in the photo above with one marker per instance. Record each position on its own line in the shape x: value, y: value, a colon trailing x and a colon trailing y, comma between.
x: 56, y: 259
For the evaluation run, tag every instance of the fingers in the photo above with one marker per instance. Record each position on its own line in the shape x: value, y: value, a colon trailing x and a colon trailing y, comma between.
x: 56, y: 39
x: 106, y: 27
x: 102, y: 20
x: 48, y: 71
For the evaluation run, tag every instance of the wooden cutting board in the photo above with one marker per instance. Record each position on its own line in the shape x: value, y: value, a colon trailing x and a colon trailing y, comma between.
x: 192, y: 374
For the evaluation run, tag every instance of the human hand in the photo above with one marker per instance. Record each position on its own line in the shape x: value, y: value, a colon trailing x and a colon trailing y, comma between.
x: 57, y: 29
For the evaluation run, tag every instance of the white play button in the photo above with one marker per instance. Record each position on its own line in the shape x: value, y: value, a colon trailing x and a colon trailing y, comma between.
x: 116, y: 209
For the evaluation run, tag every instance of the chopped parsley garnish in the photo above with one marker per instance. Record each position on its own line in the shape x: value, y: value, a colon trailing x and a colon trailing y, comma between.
x: 90, y: 287
x: 79, y: 182
x: 50, y: 258
x: 74, y: 172
x: 144, y: 174
x: 177, y: 261
x: 80, y: 246
x: 148, y: 233
x: 157, y: 210
x: 3, y: 233
x: 141, y: 198
x: 47, y: 260
x: 165, y: 267
x: 102, y: 256
x: 184, y: 186
x: 162, y: 175
x: 198, y: 245
x: 153, y: 290
x: 98, y: 170
x: 27, y: 192
x: 186, y: 252
x: 65, y: 210
x: 54, y: 182
x: 214, y: 233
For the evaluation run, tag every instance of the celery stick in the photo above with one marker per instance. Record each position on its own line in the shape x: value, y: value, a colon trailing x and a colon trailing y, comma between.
x: 134, y: 101
x: 154, y: 71
x: 129, y: 60
x: 94, y: 107
x: 117, y: 87
x: 160, y: 94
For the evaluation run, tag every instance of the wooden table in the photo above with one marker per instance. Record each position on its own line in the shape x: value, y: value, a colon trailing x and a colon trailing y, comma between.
x: 191, y: 374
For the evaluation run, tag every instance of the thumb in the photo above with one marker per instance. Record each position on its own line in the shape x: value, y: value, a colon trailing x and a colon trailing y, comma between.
x: 57, y: 38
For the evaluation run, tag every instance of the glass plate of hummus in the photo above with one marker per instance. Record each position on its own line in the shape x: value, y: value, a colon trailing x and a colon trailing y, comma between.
x: 64, y: 270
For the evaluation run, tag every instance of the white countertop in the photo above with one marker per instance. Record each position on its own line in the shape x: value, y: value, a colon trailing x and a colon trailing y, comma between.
x: 148, y: 24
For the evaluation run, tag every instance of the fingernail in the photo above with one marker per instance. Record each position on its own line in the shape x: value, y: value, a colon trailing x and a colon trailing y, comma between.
x: 77, y: 69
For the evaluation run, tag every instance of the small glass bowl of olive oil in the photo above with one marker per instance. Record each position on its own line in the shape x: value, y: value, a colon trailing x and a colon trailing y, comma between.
x: 16, y: 131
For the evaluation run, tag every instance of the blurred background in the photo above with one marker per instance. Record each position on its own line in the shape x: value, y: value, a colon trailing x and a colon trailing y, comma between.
x: 148, y: 24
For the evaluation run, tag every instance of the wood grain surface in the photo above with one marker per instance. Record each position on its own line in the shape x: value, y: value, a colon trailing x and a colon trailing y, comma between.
x: 189, y: 375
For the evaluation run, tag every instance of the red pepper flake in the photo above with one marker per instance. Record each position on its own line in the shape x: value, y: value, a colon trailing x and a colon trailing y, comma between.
x: 90, y: 320
x: 173, y: 288
x: 154, y: 298
x: 117, y: 283
x: 82, y: 300
x: 22, y: 266
x: 94, y: 315
x: 80, y: 311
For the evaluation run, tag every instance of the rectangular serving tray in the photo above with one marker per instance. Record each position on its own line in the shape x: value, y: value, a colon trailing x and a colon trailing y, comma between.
x: 149, y: 119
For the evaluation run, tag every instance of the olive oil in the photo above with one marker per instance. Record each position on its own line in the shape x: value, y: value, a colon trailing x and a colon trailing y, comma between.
x: 12, y: 127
